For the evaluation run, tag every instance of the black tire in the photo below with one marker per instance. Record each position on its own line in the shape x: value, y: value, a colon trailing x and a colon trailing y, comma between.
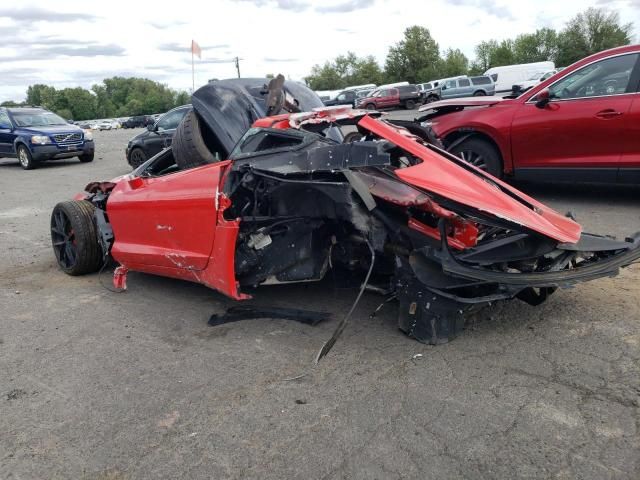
x: 137, y: 157
x: 409, y: 104
x: 74, y: 237
x: 86, y: 158
x: 481, y: 154
x: 370, y: 106
x: 189, y: 148
x: 25, y: 158
x: 352, y: 137
x: 479, y: 93
x: 431, y: 98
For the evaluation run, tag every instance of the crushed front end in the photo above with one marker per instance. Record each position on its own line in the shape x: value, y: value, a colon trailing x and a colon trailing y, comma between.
x: 440, y: 236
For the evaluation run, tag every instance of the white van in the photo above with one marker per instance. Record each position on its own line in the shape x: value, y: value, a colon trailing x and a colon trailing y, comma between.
x: 509, y: 75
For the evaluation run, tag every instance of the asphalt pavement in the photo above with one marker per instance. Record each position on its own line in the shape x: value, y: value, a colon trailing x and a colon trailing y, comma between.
x: 136, y: 385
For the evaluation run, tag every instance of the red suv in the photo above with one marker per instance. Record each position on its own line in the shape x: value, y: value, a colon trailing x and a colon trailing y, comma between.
x: 582, y: 123
x: 406, y: 96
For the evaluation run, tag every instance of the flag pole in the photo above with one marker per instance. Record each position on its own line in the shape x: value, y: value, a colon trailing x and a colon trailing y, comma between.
x: 193, y: 72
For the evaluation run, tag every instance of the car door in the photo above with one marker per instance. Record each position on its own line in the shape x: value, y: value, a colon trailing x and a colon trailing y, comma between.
x: 166, y: 221
x: 6, y: 135
x: 581, y: 131
x: 464, y: 88
x: 341, y: 99
x: 350, y: 98
x: 390, y: 98
x: 449, y: 88
x: 629, y: 171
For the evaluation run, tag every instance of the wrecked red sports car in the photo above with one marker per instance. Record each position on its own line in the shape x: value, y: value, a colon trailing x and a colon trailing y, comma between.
x: 290, y: 202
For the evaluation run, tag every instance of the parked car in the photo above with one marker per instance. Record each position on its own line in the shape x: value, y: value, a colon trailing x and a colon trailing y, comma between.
x: 34, y: 135
x: 104, y: 125
x: 346, y: 97
x: 508, y: 75
x: 532, y: 81
x: 156, y: 137
x: 138, y: 121
x: 406, y: 96
x: 430, y: 91
x: 464, y: 86
x: 292, y: 203
x: 582, y: 123
x: 363, y: 93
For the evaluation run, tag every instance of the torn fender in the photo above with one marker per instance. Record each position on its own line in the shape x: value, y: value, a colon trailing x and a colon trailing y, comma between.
x: 449, y: 177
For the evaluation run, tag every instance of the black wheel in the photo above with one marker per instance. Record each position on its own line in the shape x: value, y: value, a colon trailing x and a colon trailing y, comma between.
x: 25, y: 158
x: 479, y: 93
x: 431, y: 98
x: 370, y: 106
x: 481, y: 154
x: 137, y: 157
x: 189, y: 147
x: 86, y: 158
x: 352, y: 137
x: 74, y: 237
x: 409, y: 104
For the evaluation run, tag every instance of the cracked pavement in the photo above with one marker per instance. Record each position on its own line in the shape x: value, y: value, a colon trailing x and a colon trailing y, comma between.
x: 98, y: 385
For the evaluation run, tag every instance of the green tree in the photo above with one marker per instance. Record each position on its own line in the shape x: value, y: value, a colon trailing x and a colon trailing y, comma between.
x: 536, y: 47
x: 42, y: 95
x: 590, y: 32
x: 343, y: 71
x: 415, y: 58
x: 454, y: 63
x: 79, y: 102
x: 324, y: 77
x: 183, y: 98
x: 484, y: 52
x: 503, y: 54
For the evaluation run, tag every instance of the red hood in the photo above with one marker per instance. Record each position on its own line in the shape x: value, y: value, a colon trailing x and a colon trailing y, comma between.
x: 470, y: 187
x: 462, y: 102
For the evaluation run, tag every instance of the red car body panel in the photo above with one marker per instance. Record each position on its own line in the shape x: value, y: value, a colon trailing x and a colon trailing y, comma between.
x: 441, y: 176
x: 588, y: 132
x: 463, y: 102
x: 171, y: 210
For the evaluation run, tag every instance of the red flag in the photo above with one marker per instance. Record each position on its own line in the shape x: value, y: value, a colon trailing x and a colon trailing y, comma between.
x: 195, y: 49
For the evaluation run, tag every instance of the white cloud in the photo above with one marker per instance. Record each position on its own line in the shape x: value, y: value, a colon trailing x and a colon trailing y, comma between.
x: 69, y: 43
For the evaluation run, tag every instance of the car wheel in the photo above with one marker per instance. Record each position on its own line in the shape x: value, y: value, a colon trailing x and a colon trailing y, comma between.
x: 479, y: 93
x: 409, y: 104
x: 137, y: 157
x: 431, y: 98
x: 189, y: 147
x: 74, y: 237
x: 25, y: 158
x: 370, y: 106
x: 86, y: 158
x: 481, y: 154
x: 352, y: 137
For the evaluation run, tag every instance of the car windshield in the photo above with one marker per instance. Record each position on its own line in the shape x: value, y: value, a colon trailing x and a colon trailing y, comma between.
x: 37, y: 119
x: 536, y: 76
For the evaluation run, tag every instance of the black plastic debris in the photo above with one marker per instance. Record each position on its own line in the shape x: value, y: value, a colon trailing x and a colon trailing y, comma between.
x: 244, y: 312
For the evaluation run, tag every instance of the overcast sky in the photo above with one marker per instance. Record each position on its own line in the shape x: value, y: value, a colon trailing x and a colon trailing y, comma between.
x: 78, y: 43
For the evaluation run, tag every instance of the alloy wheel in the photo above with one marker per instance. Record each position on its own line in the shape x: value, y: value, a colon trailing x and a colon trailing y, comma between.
x: 64, y: 240
x: 23, y: 157
x: 474, y: 159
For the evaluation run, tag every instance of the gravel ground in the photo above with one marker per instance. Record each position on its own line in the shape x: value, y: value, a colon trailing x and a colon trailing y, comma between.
x: 98, y: 385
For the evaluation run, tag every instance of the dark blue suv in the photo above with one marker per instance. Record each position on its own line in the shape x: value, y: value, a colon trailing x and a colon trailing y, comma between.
x: 33, y: 135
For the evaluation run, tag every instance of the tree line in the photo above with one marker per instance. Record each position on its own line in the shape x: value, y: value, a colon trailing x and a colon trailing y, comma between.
x: 114, y: 97
x: 417, y: 57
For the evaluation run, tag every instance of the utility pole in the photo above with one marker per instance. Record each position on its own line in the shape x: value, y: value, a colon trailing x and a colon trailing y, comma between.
x: 238, y: 66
